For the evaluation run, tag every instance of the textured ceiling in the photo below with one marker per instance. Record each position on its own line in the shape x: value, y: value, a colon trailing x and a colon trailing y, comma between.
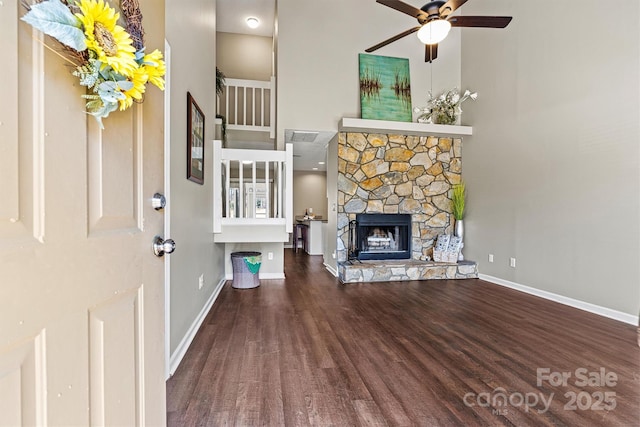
x: 232, y: 15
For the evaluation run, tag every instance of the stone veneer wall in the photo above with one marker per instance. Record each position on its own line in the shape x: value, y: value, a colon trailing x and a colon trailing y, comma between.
x: 386, y: 173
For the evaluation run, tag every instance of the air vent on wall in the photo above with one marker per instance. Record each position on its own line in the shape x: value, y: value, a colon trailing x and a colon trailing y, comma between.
x: 302, y: 136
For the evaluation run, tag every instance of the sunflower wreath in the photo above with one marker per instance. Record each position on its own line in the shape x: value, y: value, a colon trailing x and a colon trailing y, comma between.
x: 108, y: 58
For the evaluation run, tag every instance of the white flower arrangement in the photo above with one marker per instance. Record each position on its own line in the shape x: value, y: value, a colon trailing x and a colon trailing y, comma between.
x: 444, y: 109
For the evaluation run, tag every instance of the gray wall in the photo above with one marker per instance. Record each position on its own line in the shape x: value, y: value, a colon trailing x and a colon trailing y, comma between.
x: 242, y: 56
x: 318, y: 46
x: 190, y: 32
x: 269, y: 269
x: 310, y: 191
x: 331, y: 236
x: 552, y: 168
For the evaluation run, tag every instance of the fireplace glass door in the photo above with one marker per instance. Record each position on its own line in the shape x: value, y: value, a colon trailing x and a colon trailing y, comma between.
x: 383, y: 236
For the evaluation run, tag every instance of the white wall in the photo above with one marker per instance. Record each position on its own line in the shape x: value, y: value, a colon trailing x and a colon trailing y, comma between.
x: 552, y: 168
x: 318, y: 47
x: 191, y: 33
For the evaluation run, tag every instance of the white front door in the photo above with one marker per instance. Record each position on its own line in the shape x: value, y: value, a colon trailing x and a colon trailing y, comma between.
x: 81, y: 293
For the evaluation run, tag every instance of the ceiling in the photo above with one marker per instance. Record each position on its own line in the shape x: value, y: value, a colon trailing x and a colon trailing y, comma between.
x: 232, y: 15
x: 309, y: 147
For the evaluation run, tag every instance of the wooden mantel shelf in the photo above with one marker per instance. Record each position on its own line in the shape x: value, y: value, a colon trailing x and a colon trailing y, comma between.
x: 405, y: 128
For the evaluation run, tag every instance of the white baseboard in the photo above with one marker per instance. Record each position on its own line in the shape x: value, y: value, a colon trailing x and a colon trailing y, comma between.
x: 266, y: 276
x: 586, y: 306
x: 331, y: 270
x: 182, y: 348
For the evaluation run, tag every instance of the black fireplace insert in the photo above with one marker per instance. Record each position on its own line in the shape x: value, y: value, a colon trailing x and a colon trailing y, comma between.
x: 382, y: 236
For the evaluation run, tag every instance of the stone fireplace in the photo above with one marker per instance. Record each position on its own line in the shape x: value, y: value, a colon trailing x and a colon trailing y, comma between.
x: 411, y: 175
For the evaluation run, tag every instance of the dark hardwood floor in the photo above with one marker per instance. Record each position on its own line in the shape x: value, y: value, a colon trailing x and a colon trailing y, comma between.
x: 310, y: 351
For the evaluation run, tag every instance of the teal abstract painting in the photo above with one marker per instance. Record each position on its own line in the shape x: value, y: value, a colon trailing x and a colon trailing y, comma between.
x: 385, y: 89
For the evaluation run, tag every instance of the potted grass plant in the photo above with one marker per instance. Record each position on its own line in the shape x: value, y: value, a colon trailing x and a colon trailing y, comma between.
x: 458, y: 196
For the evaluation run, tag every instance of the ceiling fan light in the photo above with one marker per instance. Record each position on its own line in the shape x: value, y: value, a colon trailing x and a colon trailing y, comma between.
x: 252, y: 22
x: 434, y: 31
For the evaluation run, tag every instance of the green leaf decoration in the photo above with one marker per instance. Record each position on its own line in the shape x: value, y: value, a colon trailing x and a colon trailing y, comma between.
x: 56, y: 20
x: 88, y: 74
x: 107, y: 73
x: 139, y: 55
x: 100, y: 110
x: 109, y: 91
x: 125, y: 85
x: 112, y: 91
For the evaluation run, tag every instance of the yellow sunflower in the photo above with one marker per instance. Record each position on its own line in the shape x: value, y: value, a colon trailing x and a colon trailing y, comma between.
x: 139, y: 79
x: 155, y: 67
x: 111, y: 43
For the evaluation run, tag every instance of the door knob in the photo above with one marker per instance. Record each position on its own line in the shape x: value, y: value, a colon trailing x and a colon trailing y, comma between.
x: 161, y: 247
x: 158, y: 201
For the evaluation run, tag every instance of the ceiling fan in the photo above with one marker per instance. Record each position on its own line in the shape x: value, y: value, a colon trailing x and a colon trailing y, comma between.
x: 435, y: 22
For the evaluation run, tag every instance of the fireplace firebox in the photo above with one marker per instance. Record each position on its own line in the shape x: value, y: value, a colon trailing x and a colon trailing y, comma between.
x: 381, y: 236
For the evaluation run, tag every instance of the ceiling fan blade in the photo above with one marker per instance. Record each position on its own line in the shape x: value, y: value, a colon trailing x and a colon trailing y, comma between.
x: 401, y: 7
x: 430, y: 52
x: 449, y: 7
x: 392, y: 39
x: 480, y: 21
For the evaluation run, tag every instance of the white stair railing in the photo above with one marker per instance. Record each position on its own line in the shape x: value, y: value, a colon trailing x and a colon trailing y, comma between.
x: 249, y: 105
x: 252, y: 187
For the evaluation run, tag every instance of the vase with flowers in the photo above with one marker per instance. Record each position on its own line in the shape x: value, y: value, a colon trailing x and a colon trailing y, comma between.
x: 444, y: 109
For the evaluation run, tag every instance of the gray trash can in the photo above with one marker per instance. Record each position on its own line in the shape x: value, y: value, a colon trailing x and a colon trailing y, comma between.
x: 246, y: 266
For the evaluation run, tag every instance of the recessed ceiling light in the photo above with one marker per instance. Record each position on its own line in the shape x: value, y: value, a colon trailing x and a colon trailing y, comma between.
x: 321, y: 163
x: 315, y: 169
x: 253, y: 22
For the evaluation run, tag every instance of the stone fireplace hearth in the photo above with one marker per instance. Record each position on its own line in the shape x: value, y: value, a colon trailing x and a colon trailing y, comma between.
x: 398, y: 174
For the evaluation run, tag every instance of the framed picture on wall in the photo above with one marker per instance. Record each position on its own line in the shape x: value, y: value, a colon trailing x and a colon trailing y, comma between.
x: 195, y: 141
x: 385, y: 88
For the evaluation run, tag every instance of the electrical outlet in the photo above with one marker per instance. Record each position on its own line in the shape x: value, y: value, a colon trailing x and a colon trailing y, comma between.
x: 512, y: 262
x: 201, y: 281
x: 333, y: 255
x: 490, y: 257
x: 270, y: 255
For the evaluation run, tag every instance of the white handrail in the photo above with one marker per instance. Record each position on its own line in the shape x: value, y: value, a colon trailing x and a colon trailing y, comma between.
x: 244, y: 105
x: 278, y: 191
